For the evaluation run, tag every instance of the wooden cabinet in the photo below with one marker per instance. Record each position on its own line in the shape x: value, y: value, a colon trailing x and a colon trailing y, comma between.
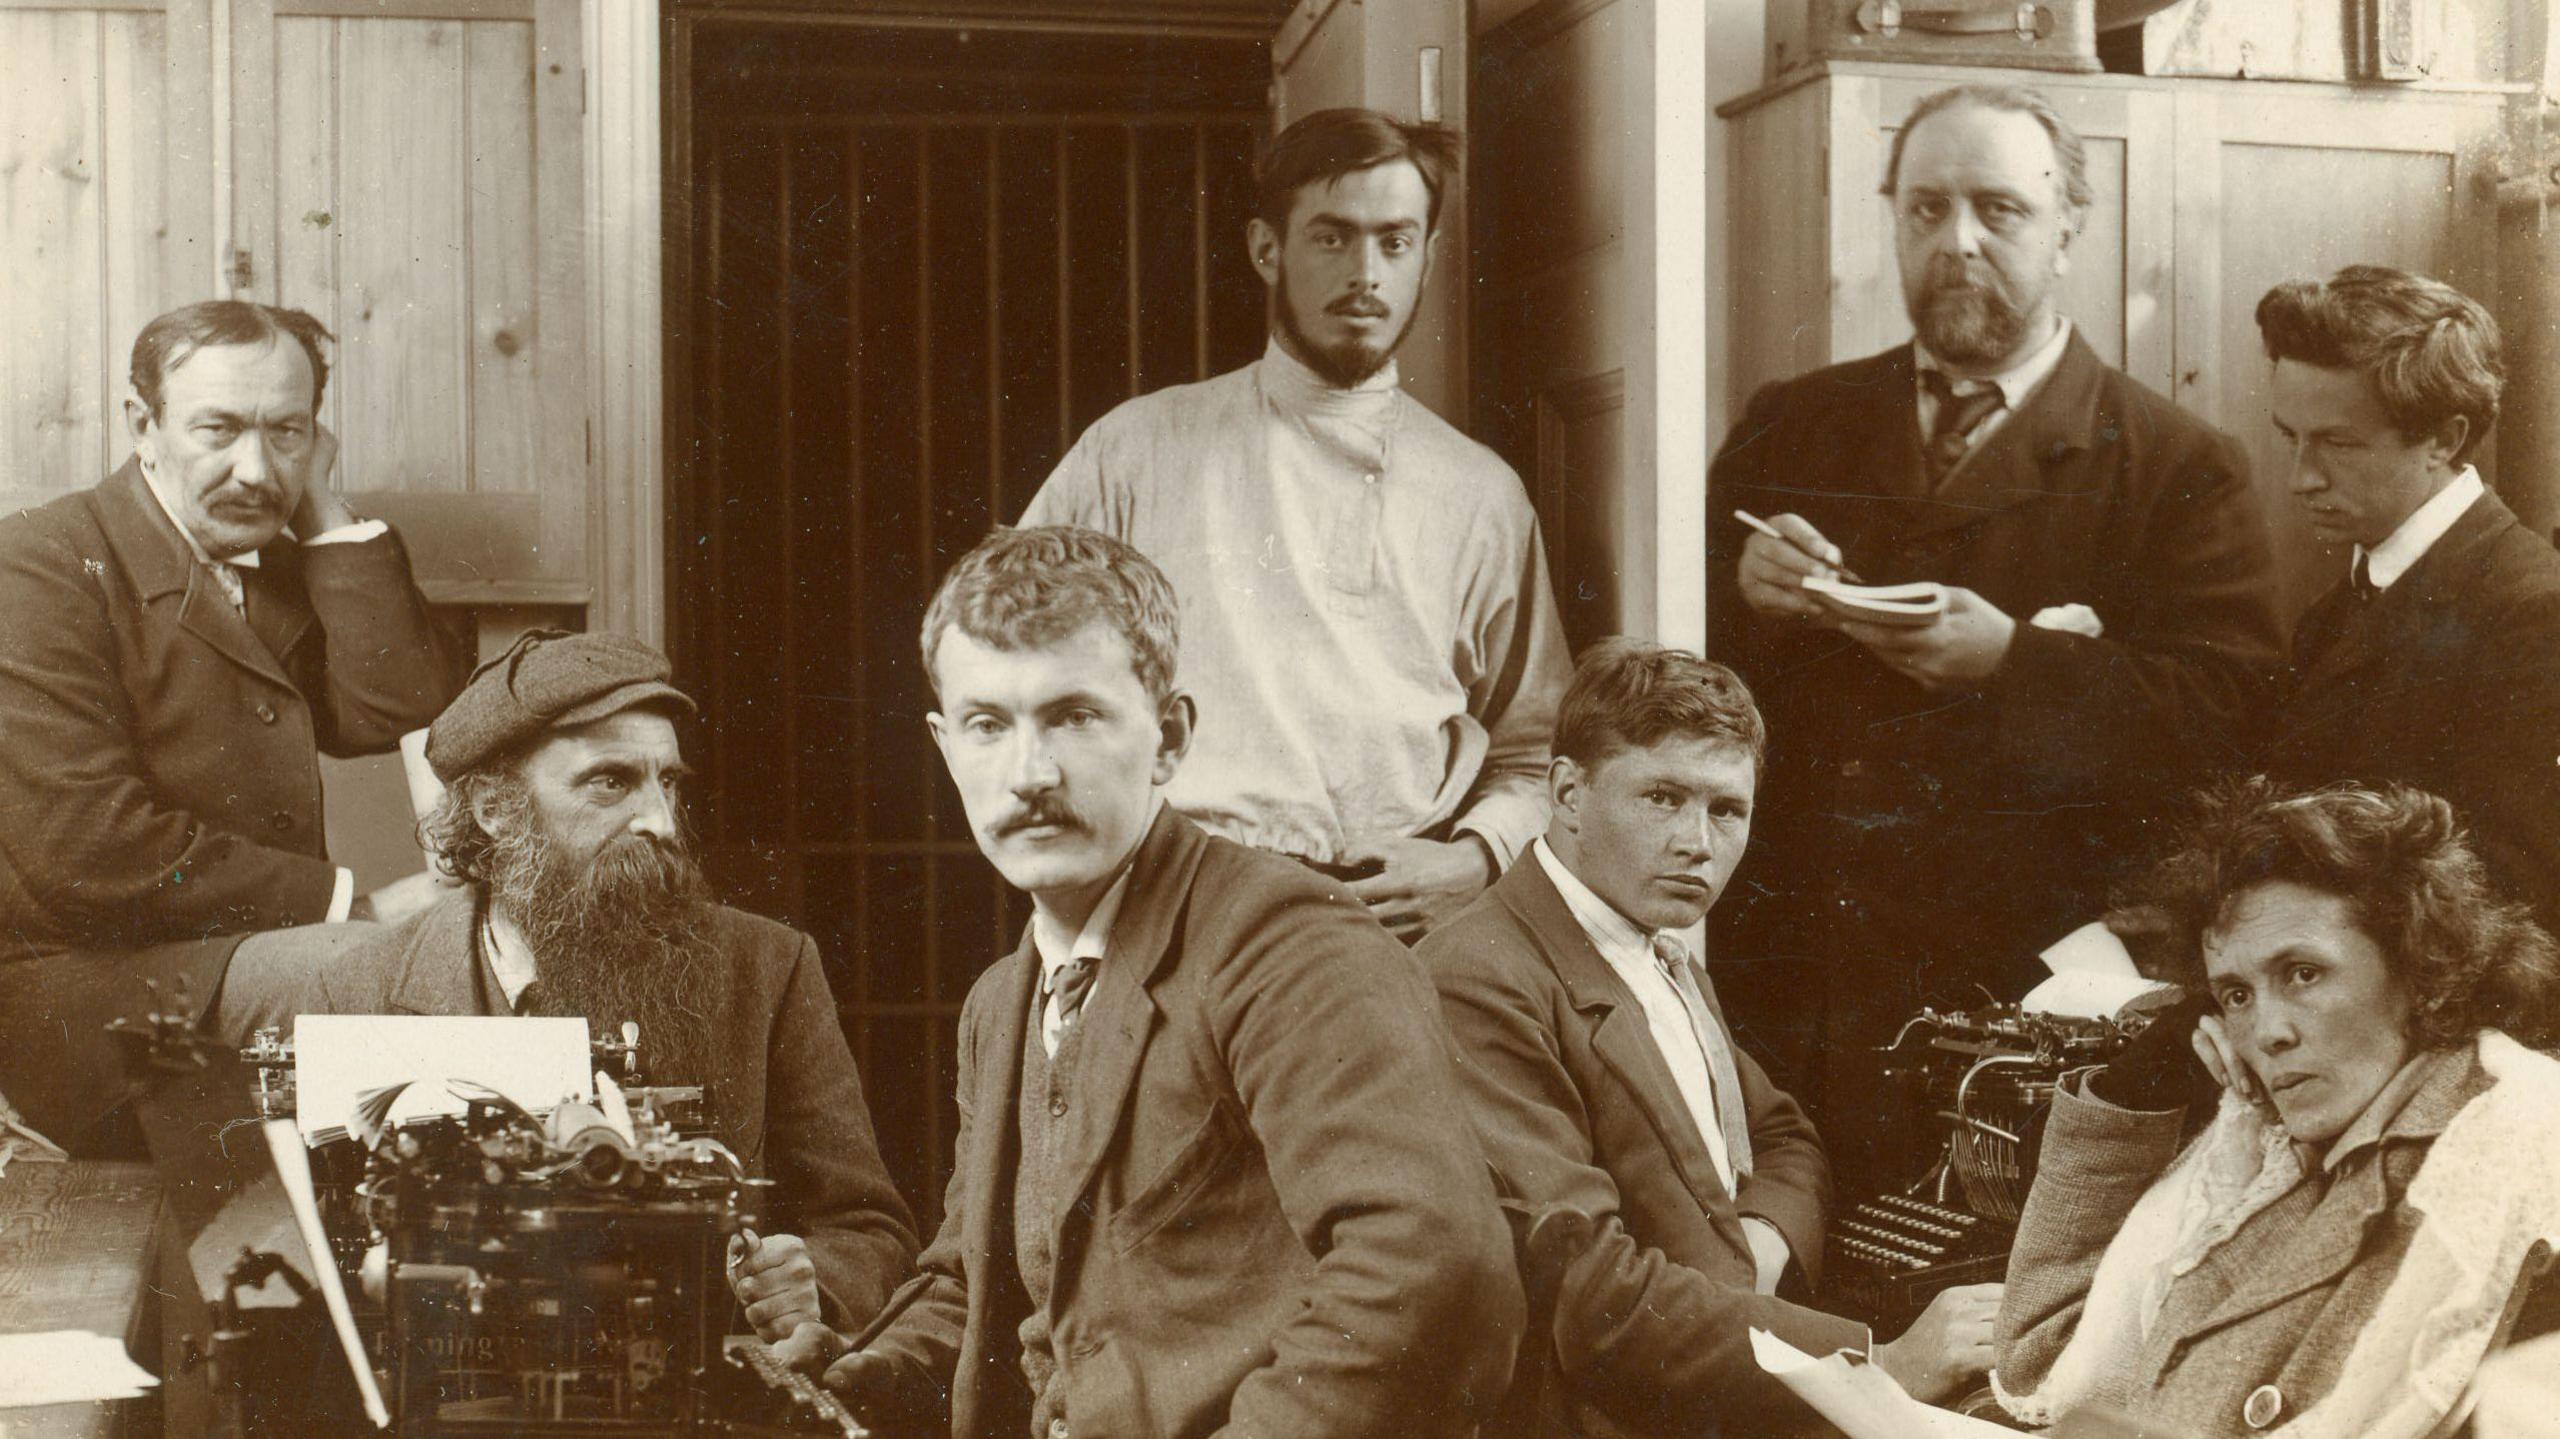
x: 408, y: 170
x: 2208, y: 193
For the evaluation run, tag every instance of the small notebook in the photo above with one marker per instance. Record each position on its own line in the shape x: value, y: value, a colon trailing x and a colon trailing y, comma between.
x: 1912, y: 605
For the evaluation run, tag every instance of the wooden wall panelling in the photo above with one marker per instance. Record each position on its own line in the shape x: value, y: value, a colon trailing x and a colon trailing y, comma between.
x: 411, y: 172
x: 1584, y: 501
x: 105, y: 181
x: 1781, y: 282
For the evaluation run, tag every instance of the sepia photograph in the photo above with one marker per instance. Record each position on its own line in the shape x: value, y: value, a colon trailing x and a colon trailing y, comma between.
x: 1090, y: 719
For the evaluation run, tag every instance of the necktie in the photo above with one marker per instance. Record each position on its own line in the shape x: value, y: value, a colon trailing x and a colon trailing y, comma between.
x: 227, y: 578
x: 1066, y: 989
x: 2360, y: 578
x: 1673, y: 958
x: 1958, y: 412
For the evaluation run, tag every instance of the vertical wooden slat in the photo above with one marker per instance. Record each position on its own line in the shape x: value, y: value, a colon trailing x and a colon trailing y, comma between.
x: 995, y: 339
x: 1199, y: 251
x: 402, y: 336
x: 49, y: 252
x: 856, y: 557
x: 191, y: 252
x: 785, y: 359
x: 135, y: 170
x: 504, y: 397
x: 564, y: 458
x: 1129, y: 244
x: 245, y: 102
x: 711, y: 465
x: 1066, y: 319
x: 925, y: 567
x: 308, y: 221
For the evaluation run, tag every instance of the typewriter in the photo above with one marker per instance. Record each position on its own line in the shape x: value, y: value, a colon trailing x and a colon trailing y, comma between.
x: 1987, y: 1075
x: 510, y: 1273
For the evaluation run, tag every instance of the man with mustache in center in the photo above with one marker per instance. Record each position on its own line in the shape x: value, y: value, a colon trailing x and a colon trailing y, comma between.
x: 1212, y: 1174
x: 1945, y: 799
x: 1368, y: 620
x: 581, y: 898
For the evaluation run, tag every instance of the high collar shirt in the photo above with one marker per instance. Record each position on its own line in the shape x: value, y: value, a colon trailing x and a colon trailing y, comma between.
x: 1629, y: 950
x: 2388, y: 561
x: 511, y: 960
x: 2014, y: 383
x: 1367, y: 621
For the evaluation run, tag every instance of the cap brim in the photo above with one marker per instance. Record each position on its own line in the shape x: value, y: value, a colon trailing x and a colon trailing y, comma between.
x: 630, y: 696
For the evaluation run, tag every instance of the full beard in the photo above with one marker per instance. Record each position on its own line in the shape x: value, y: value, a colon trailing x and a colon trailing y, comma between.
x: 1345, y: 363
x: 1968, y: 323
x: 624, y: 937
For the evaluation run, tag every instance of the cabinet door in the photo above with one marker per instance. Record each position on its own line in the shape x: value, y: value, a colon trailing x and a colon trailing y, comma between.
x: 2279, y: 183
x: 1408, y: 59
x: 410, y: 172
x: 106, y: 219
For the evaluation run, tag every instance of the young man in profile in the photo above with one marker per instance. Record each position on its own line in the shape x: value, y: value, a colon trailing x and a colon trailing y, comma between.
x: 1212, y: 1172
x: 1602, y: 1077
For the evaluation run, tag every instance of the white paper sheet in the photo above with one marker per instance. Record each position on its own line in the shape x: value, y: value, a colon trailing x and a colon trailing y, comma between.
x: 2093, y: 975
x: 337, y: 1057
x: 67, y: 1366
x: 1859, y: 1399
x: 293, y: 1167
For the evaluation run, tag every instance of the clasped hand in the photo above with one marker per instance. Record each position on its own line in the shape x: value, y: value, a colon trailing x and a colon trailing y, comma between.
x: 1959, y: 650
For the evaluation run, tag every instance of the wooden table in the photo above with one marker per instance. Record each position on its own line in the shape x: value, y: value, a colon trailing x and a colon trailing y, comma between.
x: 75, y: 1253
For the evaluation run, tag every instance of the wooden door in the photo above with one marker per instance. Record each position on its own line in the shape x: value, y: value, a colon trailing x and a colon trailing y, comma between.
x: 918, y: 264
x: 409, y: 171
x: 1408, y: 59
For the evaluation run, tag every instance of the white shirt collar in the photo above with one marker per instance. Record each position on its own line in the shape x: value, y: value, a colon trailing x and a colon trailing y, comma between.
x: 1057, y: 949
x: 510, y: 957
x: 245, y: 560
x: 1288, y: 380
x: 1619, y: 939
x: 2019, y: 380
x: 2418, y: 534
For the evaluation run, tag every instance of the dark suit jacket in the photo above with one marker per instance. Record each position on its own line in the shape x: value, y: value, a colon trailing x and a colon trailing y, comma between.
x: 783, y: 1092
x: 1910, y: 845
x: 1575, y: 1106
x: 1279, y: 1223
x: 2449, y: 680
x: 159, y: 759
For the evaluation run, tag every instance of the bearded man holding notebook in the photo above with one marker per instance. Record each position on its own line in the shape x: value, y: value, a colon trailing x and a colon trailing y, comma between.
x: 1952, y: 786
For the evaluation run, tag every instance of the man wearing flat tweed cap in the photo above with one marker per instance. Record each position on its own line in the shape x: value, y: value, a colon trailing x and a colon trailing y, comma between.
x: 580, y: 896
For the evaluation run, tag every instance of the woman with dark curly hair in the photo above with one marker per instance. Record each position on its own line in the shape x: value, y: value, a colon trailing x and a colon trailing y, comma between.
x: 2336, y: 1250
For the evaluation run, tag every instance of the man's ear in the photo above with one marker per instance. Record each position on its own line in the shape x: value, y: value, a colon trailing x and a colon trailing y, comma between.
x: 140, y: 425
x: 1176, y: 723
x: 941, y: 729
x: 2448, y: 440
x: 1565, y: 789
x: 1262, y: 247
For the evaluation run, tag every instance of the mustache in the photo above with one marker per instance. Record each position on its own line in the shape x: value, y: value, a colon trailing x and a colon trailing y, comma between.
x: 1364, y: 306
x: 1039, y: 814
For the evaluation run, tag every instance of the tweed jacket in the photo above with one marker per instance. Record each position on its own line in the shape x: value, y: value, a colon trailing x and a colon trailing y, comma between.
x: 2449, y: 680
x: 1651, y: 1329
x: 1272, y: 1219
x: 1909, y: 844
x: 159, y: 761
x: 783, y: 1093
x: 2277, y: 1304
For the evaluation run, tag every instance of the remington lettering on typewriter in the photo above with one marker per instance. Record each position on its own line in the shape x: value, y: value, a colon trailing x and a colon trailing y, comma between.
x: 1988, y: 1075
x: 508, y: 1272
